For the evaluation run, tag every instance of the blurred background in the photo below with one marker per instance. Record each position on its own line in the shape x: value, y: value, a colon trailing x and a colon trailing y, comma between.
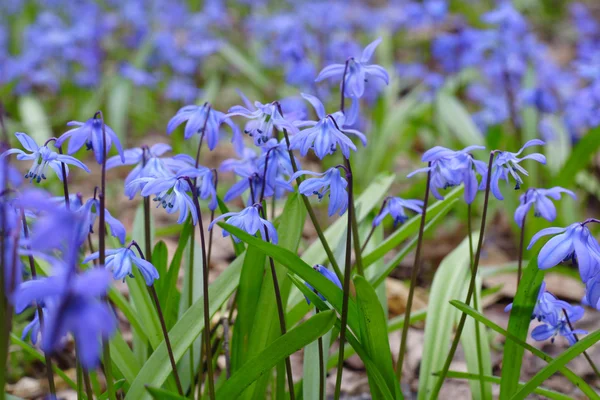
x: 462, y: 72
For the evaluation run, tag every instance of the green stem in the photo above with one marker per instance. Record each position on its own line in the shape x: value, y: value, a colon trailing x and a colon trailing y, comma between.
x: 471, y: 290
x: 476, y: 305
x: 352, y: 216
x: 413, y: 281
x: 309, y: 209
x: 585, y: 354
x: 321, y: 366
x: 88, y: 387
x: 347, y: 273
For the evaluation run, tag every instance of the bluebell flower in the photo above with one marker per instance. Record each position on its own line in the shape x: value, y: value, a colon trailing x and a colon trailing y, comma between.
x: 544, y: 304
x: 89, y: 211
x: 395, y: 206
x: 121, y: 262
x: 539, y: 200
x: 331, y: 276
x: 42, y: 158
x: 324, y: 136
x: 556, y: 323
x: 172, y: 192
x: 358, y: 72
x: 250, y: 221
x: 251, y: 170
x: 330, y: 182
x: 90, y: 134
x: 196, y: 116
x: 73, y: 305
x: 507, y: 163
x: 33, y: 328
x: 573, y: 242
x: 264, y: 118
x: 277, y: 157
x: 450, y: 168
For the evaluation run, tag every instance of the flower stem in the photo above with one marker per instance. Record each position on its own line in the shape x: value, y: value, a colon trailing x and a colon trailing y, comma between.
x: 280, y: 311
x: 413, y: 282
x: 225, y: 323
x: 311, y: 212
x: 49, y: 372
x: 87, y: 384
x: 212, y: 217
x: 321, y: 365
x: 163, y: 325
x: 206, y: 334
x: 471, y: 290
x: 352, y: 216
x: 346, y: 287
x: 110, y: 387
x: 476, y: 305
x: 364, y: 246
x: 585, y: 354
x: 521, y: 247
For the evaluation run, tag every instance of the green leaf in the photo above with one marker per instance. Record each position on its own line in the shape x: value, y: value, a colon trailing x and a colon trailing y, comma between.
x: 575, y: 379
x: 580, y: 157
x: 411, y: 227
x: 455, y: 116
x: 448, y: 283
x: 560, y: 361
x: 518, y: 325
x: 248, y: 295
x: 170, y: 294
x: 275, y: 352
x: 551, y: 394
x: 123, y: 358
x: 374, y: 337
x: 35, y: 353
x: 160, y: 258
x: 558, y: 148
x: 185, y: 331
x: 161, y: 394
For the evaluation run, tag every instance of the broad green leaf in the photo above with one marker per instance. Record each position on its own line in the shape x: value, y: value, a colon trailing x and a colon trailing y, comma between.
x: 34, y: 119
x: 570, y: 375
x: 275, y: 352
x: 551, y: 394
x: 123, y: 358
x: 374, y: 372
x: 580, y: 157
x: 160, y: 258
x: 411, y: 227
x: 558, y: 148
x: 448, y: 283
x: 373, y: 333
x: 518, y: 325
x: 248, y: 294
x: 35, y: 353
x: 171, y: 294
x: 560, y: 361
x: 143, y: 305
x: 185, y: 331
x: 456, y: 117
x: 311, y: 370
x: 161, y: 394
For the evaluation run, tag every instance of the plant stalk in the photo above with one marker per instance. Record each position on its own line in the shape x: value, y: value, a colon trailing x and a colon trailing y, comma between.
x: 463, y: 317
x: 585, y: 354
x: 346, y: 287
x: 352, y: 216
x: 413, y: 282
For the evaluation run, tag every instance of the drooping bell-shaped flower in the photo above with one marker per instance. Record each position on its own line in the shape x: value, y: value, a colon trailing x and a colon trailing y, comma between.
x: 121, y: 262
x: 556, y: 323
x: 89, y: 211
x: 42, y: 158
x: 329, y: 183
x: 395, y: 206
x: 250, y: 221
x: 331, y: 276
x: 90, y: 133
x: 539, y: 199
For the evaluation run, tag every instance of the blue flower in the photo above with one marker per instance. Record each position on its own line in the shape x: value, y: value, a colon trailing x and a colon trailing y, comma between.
x: 330, y: 182
x: 121, y: 261
x: 264, y: 119
x: 325, y: 135
x: 507, y: 162
x: 249, y: 221
x: 73, y: 305
x: 450, y: 168
x: 394, y: 206
x: 33, y: 327
x: 196, y: 117
x: 544, y: 304
x: 90, y: 211
x: 556, y: 323
x: 538, y: 199
x: 172, y: 192
x: 358, y: 72
x: 573, y: 242
x: 90, y: 134
x: 327, y: 274
x: 42, y: 158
